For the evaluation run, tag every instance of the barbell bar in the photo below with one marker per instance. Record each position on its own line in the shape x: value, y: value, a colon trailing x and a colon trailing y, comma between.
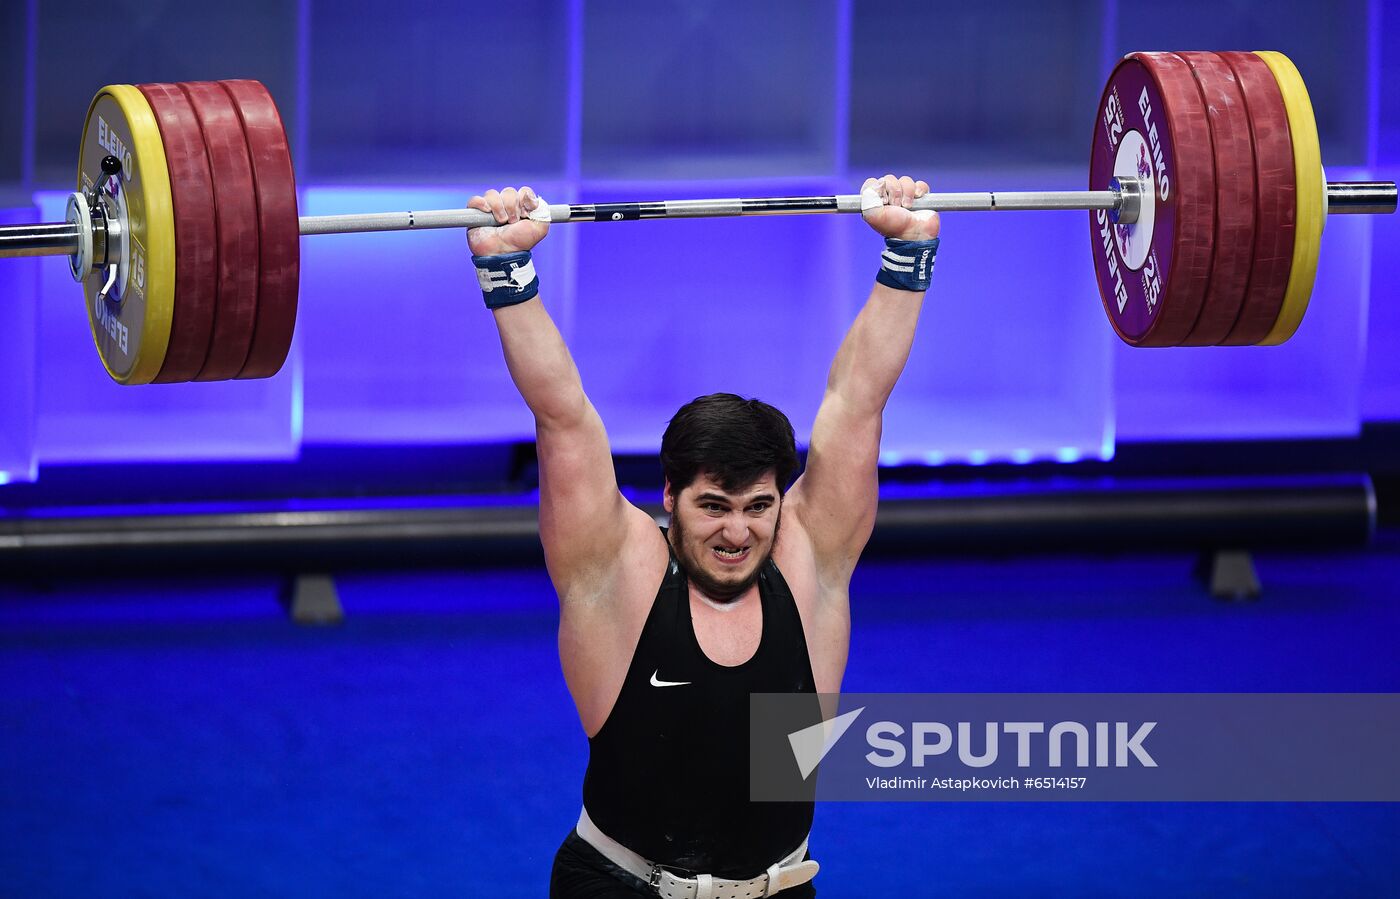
x: 1206, y: 196
x: 1343, y: 197
x: 62, y: 239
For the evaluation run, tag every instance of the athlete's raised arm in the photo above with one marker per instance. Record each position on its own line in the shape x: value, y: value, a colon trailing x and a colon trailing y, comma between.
x: 583, y: 517
x: 836, y: 496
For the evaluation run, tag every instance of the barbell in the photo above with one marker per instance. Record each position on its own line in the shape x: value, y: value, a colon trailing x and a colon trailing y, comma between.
x: 1207, y: 199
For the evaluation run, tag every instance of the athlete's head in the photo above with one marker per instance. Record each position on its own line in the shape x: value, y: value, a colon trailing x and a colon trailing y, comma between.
x: 727, y: 462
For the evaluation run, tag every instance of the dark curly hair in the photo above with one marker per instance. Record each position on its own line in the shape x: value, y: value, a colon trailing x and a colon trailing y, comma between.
x: 734, y: 440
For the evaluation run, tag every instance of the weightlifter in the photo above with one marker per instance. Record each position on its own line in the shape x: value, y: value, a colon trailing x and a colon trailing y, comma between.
x: 664, y: 632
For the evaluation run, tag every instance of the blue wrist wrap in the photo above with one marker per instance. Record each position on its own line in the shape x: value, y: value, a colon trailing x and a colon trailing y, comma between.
x: 506, y: 279
x: 907, y: 264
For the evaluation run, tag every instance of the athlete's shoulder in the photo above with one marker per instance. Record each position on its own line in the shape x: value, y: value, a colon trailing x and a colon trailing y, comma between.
x: 641, y: 559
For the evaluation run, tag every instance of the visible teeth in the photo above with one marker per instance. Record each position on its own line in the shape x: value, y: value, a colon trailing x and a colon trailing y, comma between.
x: 729, y: 552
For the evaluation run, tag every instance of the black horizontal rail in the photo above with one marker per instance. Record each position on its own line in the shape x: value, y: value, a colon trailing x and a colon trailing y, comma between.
x: 1148, y: 516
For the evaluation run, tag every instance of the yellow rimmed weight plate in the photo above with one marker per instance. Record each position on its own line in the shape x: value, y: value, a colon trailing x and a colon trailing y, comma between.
x: 1311, y: 195
x: 131, y: 326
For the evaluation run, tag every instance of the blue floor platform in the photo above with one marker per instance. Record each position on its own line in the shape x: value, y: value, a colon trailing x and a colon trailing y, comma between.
x: 182, y: 738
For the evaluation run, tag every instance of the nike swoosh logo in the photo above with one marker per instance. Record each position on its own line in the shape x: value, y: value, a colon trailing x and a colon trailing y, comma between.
x: 666, y: 683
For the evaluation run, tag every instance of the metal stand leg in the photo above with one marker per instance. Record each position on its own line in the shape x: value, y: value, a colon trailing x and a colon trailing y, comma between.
x: 312, y: 599
x: 1229, y: 574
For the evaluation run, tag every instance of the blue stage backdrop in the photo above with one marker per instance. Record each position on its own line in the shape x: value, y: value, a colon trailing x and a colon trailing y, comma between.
x: 392, y: 107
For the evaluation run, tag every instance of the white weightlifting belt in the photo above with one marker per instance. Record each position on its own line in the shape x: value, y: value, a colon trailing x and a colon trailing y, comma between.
x: 789, y: 872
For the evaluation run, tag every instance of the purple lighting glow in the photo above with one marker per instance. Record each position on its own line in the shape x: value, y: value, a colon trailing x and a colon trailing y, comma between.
x: 1013, y: 361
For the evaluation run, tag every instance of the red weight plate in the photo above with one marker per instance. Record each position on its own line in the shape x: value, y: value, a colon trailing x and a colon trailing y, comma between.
x: 1152, y: 125
x: 196, y: 240
x: 1234, y: 194
x: 236, y: 214
x: 1275, y: 199
x: 279, y: 234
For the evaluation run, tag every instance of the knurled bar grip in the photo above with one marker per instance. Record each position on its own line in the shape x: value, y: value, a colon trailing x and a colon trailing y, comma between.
x: 1343, y: 197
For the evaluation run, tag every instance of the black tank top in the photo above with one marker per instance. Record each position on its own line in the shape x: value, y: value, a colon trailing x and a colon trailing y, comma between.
x: 668, y: 773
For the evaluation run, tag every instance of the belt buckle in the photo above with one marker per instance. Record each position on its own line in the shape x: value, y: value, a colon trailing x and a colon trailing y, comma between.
x: 654, y: 879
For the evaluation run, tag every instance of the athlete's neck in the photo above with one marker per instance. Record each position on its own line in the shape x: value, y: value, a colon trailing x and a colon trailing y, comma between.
x: 729, y: 604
